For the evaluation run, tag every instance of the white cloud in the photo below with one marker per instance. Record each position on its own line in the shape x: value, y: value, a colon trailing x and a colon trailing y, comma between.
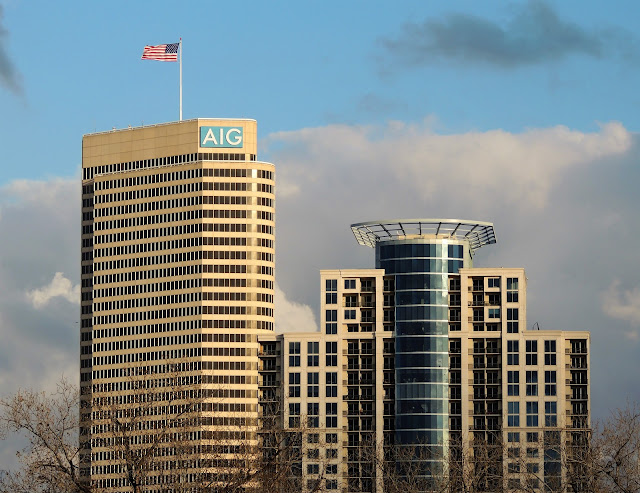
x: 623, y: 304
x: 521, y: 167
x: 292, y: 316
x: 59, y: 286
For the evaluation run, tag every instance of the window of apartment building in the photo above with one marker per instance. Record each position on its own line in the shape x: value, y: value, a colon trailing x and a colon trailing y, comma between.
x: 294, y: 354
x: 331, y: 438
x: 313, y: 384
x: 331, y: 285
x: 349, y: 314
x: 454, y: 284
x: 332, y: 414
x: 550, y: 383
x: 513, y: 414
x: 532, y: 437
x: 531, y: 353
x: 512, y: 289
x: 332, y: 353
x: 550, y: 353
x: 532, y: 414
x: 513, y: 437
x: 349, y: 284
x: 351, y: 300
x: 313, y: 468
x: 367, y: 285
x: 532, y: 382
x: 313, y: 356
x: 513, y: 358
x: 331, y: 484
x: 512, y: 320
x: 294, y: 414
x: 313, y: 418
x: 551, y: 413
x: 331, y: 317
x: 332, y: 384
x: 513, y: 383
x: 313, y: 438
x: 294, y: 384
x: 331, y: 298
x: 494, y: 312
x: 493, y: 282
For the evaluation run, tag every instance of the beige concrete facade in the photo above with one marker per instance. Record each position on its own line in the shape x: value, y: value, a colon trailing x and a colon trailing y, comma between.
x: 525, y: 390
x: 178, y: 245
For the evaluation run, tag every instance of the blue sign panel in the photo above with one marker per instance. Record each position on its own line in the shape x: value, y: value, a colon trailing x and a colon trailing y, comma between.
x: 221, y: 136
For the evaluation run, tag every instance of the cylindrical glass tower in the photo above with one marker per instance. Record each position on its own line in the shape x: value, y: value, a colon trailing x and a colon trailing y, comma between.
x: 421, y: 254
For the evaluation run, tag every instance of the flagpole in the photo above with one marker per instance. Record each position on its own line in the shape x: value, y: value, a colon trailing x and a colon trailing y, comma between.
x: 180, y: 79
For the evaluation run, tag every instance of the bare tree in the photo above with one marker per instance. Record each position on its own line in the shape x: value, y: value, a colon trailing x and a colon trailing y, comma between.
x: 616, y: 451
x: 49, y: 423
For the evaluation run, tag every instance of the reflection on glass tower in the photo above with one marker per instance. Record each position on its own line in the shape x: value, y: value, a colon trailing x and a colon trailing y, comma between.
x: 421, y: 253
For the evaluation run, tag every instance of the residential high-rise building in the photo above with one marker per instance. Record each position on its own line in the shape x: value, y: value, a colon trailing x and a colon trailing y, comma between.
x: 424, y: 367
x: 177, y: 285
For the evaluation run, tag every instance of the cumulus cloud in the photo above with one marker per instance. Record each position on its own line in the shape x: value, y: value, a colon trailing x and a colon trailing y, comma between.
x: 623, y: 304
x: 292, y: 316
x: 564, y: 203
x: 521, y: 168
x: 38, y: 237
x: 9, y: 77
x: 59, y: 286
x: 534, y: 34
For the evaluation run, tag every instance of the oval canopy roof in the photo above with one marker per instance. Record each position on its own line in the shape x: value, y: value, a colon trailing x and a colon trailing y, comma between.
x: 477, y: 233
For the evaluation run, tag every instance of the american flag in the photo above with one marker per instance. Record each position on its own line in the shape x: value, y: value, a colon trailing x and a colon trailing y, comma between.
x: 164, y: 53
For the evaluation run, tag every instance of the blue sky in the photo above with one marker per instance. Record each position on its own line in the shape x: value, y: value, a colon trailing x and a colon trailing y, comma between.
x: 292, y: 65
x: 521, y: 113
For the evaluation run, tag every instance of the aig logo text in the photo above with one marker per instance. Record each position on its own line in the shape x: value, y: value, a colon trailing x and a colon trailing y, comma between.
x: 221, y: 136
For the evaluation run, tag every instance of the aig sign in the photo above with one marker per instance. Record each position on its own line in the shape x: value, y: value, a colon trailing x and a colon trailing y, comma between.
x: 221, y: 136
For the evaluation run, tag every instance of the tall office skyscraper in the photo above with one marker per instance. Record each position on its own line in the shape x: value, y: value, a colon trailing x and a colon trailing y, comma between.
x: 177, y: 285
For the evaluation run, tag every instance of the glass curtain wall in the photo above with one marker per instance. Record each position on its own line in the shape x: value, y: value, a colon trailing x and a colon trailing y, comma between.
x: 421, y: 268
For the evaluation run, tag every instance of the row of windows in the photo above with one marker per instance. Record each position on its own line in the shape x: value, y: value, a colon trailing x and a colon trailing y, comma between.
x: 160, y: 232
x: 120, y: 359
x: 122, y: 345
x: 189, y: 311
x: 147, y: 288
x: 158, y: 205
x: 89, y: 172
x: 238, y: 173
x: 409, y: 266
x: 170, y: 327
x: 112, y: 211
x: 413, y: 250
x: 146, y: 261
x: 168, y: 175
x: 186, y: 270
x: 531, y: 354
x: 146, y: 220
x: 180, y: 189
x: 313, y: 416
x: 114, y: 373
x: 147, y: 301
x: 513, y: 414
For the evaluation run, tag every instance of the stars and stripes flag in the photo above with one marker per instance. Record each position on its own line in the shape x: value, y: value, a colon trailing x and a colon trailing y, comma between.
x: 163, y: 53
